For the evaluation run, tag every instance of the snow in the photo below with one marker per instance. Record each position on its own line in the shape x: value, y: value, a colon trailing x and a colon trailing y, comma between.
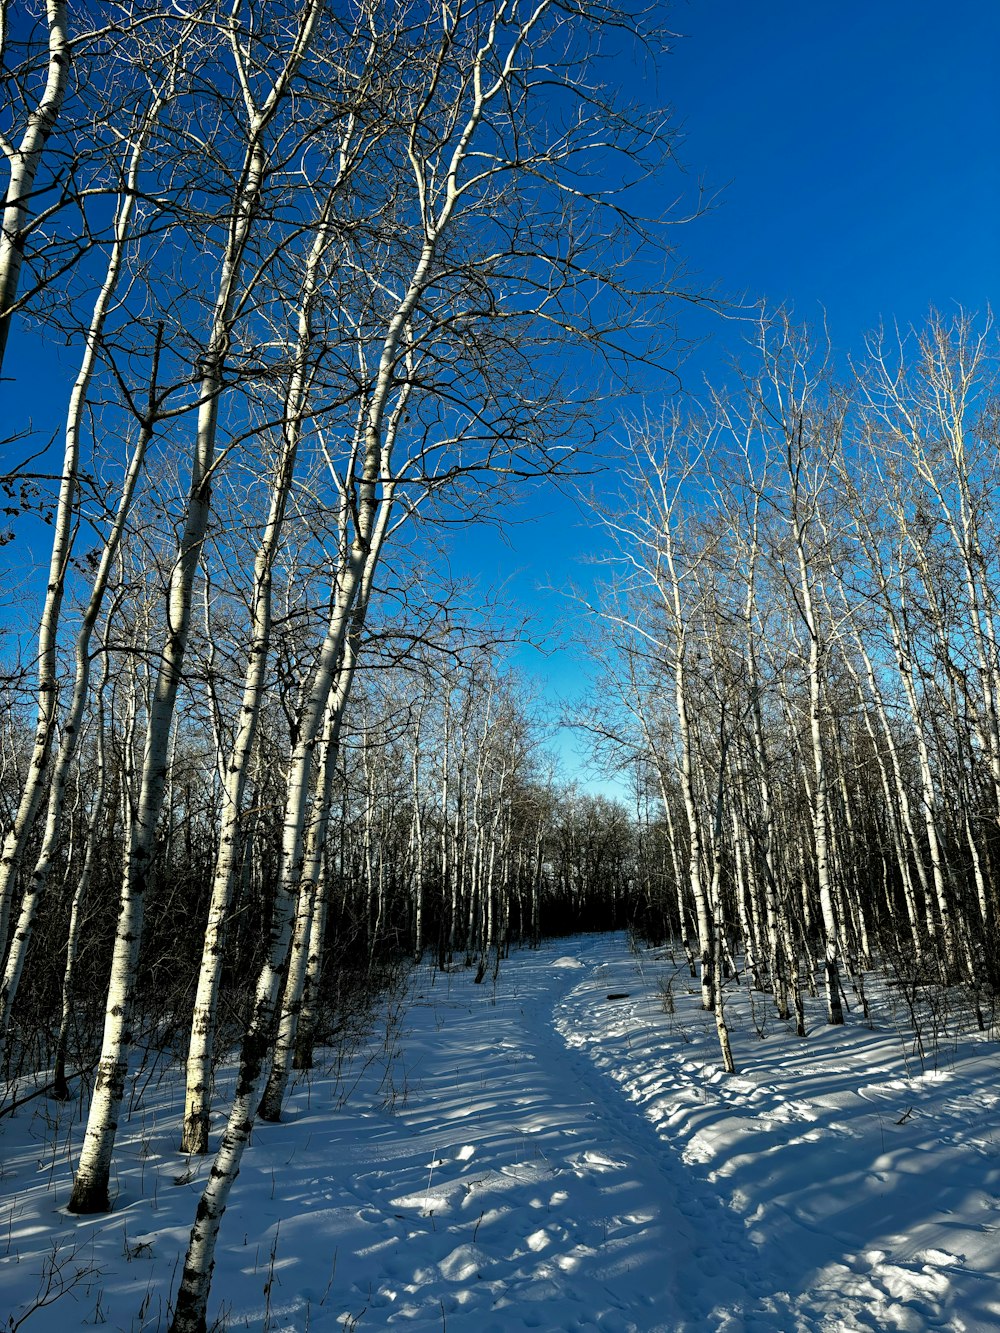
x: 533, y: 1155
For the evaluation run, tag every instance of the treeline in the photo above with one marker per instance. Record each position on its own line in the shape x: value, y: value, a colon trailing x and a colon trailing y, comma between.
x: 806, y: 665
x: 436, y: 833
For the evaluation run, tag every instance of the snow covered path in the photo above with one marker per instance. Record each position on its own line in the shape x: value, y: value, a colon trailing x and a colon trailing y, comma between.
x: 540, y: 1195
x: 537, y: 1155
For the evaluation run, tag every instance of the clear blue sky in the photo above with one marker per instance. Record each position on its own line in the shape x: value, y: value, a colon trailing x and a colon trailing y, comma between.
x: 852, y: 149
x: 857, y: 144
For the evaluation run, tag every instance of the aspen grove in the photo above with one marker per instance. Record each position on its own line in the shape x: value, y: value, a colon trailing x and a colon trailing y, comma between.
x: 331, y: 285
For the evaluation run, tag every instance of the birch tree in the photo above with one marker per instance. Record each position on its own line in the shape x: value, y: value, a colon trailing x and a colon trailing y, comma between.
x: 196, y: 1118
x: 22, y: 147
x: 261, y: 109
x: 135, y: 141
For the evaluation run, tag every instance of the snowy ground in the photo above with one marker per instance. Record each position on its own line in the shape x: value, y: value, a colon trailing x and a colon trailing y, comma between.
x: 535, y: 1155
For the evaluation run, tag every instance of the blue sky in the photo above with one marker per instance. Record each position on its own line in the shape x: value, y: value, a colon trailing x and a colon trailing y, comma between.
x: 851, y: 152
x: 857, y: 146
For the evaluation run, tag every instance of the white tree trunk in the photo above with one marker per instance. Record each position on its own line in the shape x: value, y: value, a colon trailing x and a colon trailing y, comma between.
x: 23, y: 160
x: 306, y: 959
x: 90, y: 1187
x: 820, y: 805
x: 418, y: 844
x: 197, y: 1106
x: 60, y: 1086
x: 73, y: 721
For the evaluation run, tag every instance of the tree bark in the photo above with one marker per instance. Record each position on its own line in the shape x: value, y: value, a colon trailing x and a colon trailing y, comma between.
x: 90, y: 1186
x: 23, y: 160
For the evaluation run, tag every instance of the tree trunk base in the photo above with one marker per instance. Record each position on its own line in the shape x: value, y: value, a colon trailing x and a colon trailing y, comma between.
x: 88, y: 1199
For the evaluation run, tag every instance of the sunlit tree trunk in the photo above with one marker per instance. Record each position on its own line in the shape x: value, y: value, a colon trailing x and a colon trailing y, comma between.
x: 294, y: 1041
x: 298, y: 1026
x: 203, y: 1024
x: 703, y: 916
x: 73, y: 721
x: 37, y: 781
x: 820, y: 803
x: 715, y: 902
x: 449, y: 878
x: 90, y: 1187
x: 418, y: 842
x: 24, y: 158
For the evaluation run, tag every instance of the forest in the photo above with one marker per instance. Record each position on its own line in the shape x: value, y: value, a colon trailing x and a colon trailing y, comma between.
x: 295, y: 297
